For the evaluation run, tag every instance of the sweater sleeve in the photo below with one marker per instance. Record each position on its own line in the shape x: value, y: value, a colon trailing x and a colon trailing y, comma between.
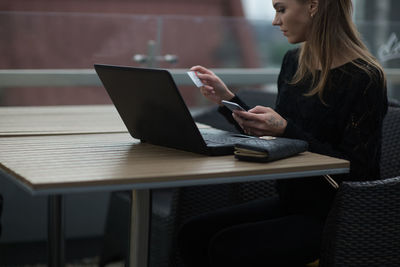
x: 361, y: 138
x: 228, y: 114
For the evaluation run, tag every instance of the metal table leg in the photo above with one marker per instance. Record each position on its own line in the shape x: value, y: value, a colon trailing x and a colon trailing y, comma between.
x: 55, y: 238
x: 139, y: 240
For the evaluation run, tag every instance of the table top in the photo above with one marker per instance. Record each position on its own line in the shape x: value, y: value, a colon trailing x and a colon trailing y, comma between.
x: 39, y: 120
x: 78, y: 160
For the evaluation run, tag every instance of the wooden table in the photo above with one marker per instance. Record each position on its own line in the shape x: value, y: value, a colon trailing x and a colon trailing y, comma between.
x: 55, y: 151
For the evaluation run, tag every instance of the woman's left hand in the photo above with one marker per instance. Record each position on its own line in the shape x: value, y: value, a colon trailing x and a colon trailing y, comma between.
x: 260, y: 121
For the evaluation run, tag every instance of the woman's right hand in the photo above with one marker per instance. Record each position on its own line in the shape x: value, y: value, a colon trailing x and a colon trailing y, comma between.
x: 214, y: 88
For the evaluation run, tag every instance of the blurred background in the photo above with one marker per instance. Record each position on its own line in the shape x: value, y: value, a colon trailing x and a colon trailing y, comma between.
x: 47, y: 52
x: 48, y: 48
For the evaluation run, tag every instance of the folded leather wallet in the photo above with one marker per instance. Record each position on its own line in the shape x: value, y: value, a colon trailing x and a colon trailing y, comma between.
x: 268, y: 149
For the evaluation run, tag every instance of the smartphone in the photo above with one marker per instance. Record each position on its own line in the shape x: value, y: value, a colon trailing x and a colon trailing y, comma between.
x: 232, y: 106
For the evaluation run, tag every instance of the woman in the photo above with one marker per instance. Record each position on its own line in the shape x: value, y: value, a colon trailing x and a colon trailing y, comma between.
x: 331, y: 93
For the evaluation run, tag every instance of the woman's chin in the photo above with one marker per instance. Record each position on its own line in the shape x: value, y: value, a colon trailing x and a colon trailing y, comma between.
x: 293, y: 40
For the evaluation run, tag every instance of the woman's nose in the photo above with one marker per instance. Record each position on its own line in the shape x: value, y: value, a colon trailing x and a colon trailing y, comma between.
x: 276, y: 21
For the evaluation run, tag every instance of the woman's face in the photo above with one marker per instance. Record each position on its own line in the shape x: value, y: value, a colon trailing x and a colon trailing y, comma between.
x: 293, y: 18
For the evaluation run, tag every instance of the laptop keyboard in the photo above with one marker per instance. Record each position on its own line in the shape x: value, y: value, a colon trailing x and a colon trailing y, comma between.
x: 223, y: 138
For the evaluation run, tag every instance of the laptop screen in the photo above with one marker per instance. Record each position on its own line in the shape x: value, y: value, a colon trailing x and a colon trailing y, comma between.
x: 151, y: 106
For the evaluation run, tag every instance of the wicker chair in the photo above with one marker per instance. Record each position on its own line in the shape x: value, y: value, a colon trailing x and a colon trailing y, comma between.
x: 394, y: 102
x: 363, y: 227
x: 390, y: 157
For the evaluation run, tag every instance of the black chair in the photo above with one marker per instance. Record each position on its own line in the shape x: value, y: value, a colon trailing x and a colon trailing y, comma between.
x: 394, y: 102
x: 359, y: 208
x: 363, y: 227
x: 390, y: 157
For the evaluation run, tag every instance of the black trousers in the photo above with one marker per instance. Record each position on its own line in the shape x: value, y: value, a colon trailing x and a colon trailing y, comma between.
x: 258, y: 233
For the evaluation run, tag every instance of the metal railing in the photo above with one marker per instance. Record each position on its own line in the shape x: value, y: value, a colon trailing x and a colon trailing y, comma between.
x: 88, y: 77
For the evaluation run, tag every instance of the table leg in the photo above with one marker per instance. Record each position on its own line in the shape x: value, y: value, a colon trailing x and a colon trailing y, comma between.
x: 139, y: 240
x: 55, y: 233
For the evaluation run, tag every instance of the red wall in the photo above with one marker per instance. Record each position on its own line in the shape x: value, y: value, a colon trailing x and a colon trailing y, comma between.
x: 179, y: 7
x: 75, y: 39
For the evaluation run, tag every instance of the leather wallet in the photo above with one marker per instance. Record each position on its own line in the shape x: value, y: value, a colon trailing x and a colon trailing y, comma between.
x: 269, y: 149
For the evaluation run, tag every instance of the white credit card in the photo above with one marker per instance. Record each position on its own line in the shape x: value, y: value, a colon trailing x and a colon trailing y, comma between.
x: 195, y: 79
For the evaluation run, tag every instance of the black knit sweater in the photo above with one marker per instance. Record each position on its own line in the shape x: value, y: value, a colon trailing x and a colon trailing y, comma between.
x: 347, y: 126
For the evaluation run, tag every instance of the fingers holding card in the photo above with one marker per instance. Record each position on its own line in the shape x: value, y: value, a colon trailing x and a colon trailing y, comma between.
x: 195, y: 79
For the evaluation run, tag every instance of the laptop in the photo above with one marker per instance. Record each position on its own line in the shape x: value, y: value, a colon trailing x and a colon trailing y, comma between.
x: 149, y: 103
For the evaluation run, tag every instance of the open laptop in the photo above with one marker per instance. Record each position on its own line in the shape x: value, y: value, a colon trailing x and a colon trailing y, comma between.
x: 153, y: 111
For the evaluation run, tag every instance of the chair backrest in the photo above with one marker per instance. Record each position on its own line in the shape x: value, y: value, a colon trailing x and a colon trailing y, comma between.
x: 390, y: 157
x: 363, y: 227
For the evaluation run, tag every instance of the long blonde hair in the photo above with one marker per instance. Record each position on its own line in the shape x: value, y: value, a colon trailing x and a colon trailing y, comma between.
x: 332, y: 32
